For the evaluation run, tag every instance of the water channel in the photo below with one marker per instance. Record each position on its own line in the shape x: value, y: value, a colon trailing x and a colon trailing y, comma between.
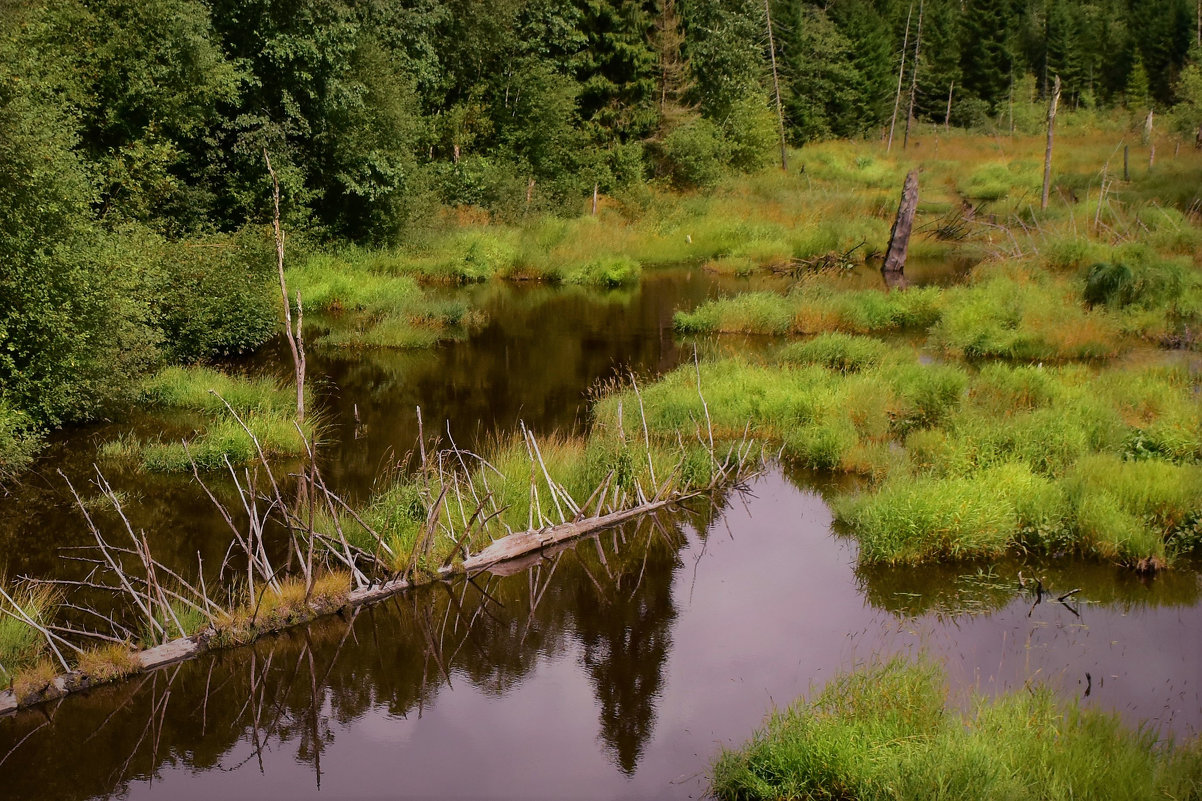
x: 615, y: 668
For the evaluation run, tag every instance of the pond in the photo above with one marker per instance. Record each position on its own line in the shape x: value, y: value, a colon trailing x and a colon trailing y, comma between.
x: 615, y: 668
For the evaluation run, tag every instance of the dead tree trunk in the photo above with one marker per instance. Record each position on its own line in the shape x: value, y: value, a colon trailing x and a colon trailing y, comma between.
x: 899, y: 236
x: 913, y: 78
x: 780, y: 109
x: 1148, y: 138
x: 947, y: 118
x: 901, y: 74
x: 296, y: 342
x: 1053, y: 104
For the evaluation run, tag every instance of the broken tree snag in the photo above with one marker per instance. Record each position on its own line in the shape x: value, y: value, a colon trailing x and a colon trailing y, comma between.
x: 899, y: 237
x: 1053, y: 103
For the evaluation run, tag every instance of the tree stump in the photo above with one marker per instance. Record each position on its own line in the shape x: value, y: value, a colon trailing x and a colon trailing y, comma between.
x: 899, y: 236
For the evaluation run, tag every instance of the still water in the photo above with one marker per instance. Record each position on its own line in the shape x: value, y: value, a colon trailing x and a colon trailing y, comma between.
x: 616, y: 668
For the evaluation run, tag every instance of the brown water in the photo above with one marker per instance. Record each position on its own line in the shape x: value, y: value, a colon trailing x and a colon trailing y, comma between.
x: 615, y: 669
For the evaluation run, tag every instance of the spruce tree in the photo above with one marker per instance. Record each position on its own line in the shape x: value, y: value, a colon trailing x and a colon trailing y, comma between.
x: 986, y: 51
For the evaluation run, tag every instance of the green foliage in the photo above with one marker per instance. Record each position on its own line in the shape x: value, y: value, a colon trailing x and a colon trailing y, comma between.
x: 606, y: 271
x: 884, y: 731
x: 693, y: 154
x: 22, y: 645
x: 19, y: 441
x: 837, y: 351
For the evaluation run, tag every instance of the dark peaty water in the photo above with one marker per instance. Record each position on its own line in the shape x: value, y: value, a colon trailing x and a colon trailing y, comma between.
x: 617, y: 668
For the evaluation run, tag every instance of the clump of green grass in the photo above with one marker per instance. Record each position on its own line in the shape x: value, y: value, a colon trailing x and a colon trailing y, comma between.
x: 329, y: 283
x: 884, y: 732
x: 22, y: 645
x: 267, y: 409
x: 605, y: 272
x: 841, y: 352
x: 226, y: 439
x: 204, y: 389
x: 1023, y: 318
x: 1155, y: 297
x: 914, y: 520
x: 750, y: 312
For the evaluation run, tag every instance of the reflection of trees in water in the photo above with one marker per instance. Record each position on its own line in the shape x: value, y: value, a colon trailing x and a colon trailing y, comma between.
x: 291, y: 692
x: 626, y: 632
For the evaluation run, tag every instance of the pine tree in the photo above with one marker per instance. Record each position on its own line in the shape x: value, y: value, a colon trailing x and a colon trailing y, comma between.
x: 986, y: 52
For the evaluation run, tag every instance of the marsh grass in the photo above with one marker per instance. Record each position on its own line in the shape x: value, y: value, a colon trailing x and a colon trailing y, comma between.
x: 366, y: 306
x: 884, y: 731
x: 21, y: 645
x: 965, y: 464
x: 108, y: 662
x: 523, y: 483
x: 266, y: 408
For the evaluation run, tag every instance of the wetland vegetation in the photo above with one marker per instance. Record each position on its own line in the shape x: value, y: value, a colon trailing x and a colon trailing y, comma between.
x: 472, y: 203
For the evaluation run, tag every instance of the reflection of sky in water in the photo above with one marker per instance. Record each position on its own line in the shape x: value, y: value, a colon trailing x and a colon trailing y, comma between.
x: 655, y: 675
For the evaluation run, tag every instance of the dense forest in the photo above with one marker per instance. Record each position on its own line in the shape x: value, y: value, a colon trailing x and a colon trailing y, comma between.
x: 133, y: 189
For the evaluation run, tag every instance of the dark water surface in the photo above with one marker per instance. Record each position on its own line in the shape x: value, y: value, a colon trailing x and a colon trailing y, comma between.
x: 617, y: 668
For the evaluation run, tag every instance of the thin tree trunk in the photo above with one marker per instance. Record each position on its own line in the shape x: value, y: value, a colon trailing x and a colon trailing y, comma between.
x: 1047, y: 156
x: 595, y: 186
x: 913, y: 78
x: 780, y: 109
x: 1148, y: 137
x: 947, y: 118
x: 899, y: 236
x: 295, y: 342
x: 901, y: 73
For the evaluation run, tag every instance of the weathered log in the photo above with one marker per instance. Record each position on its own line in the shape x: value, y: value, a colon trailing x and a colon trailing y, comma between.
x: 899, y: 236
x: 498, y: 555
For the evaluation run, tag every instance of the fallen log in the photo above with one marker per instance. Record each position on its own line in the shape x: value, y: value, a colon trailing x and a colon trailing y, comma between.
x: 513, y: 547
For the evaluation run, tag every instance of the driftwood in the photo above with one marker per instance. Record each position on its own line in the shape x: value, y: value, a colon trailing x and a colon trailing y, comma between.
x: 899, y: 236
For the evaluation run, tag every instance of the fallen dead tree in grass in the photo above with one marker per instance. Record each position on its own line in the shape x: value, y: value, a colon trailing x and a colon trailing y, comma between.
x: 461, y: 517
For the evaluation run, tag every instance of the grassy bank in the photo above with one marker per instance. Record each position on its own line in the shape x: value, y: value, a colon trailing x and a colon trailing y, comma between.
x: 961, y: 462
x: 222, y: 411
x: 885, y: 732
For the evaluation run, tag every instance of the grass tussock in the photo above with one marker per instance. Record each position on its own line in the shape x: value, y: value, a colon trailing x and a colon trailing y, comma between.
x: 109, y: 662
x: 21, y: 645
x: 884, y: 732
x: 256, y: 406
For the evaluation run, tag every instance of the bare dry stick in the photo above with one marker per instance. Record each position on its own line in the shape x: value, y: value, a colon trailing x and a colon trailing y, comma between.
x: 293, y: 336
x: 113, y: 564
x: 780, y: 109
x: 913, y: 78
x: 901, y: 74
x: 646, y: 431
